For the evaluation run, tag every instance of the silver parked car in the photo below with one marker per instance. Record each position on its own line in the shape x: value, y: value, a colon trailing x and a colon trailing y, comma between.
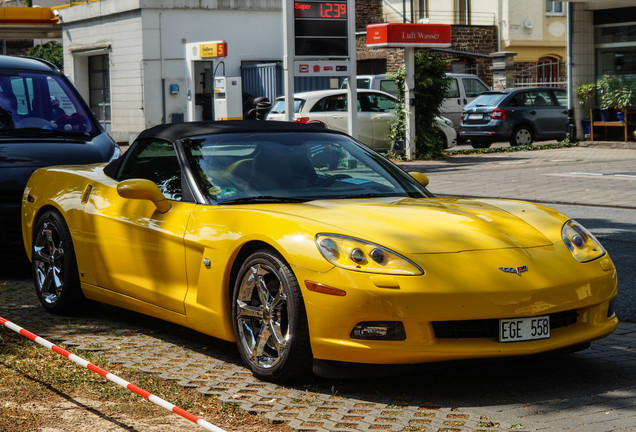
x: 376, y: 113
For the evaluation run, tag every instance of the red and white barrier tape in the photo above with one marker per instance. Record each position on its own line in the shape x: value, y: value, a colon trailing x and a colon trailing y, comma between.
x: 109, y: 376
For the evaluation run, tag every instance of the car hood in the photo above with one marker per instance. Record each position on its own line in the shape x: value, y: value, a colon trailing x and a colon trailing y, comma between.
x: 26, y: 153
x: 434, y: 225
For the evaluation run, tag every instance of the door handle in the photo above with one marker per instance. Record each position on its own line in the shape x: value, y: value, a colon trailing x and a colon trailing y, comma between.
x: 533, y: 112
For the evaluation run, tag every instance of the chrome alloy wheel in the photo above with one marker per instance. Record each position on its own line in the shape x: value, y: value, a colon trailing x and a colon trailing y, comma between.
x: 48, y: 263
x: 263, y: 316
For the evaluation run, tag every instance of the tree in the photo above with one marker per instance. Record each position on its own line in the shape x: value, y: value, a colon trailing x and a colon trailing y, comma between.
x: 50, y: 51
x: 431, y: 85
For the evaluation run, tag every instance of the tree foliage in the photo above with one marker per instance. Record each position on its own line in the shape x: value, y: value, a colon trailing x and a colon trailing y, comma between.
x: 50, y: 51
x: 431, y: 85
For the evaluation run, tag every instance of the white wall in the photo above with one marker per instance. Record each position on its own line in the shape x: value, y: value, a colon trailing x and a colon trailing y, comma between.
x: 147, y: 47
x: 524, y: 20
x: 250, y: 36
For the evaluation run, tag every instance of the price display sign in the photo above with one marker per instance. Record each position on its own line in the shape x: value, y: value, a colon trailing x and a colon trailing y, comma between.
x: 320, y: 28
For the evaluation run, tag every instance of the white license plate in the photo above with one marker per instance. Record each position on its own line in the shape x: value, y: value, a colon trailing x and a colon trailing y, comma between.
x: 524, y: 329
x: 475, y: 116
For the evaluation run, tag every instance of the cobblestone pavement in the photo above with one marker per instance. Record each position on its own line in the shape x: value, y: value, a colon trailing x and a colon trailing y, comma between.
x: 594, y: 390
x: 578, y: 175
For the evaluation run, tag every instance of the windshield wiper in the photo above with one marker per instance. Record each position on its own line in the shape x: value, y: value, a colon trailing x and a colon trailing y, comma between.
x: 366, y: 195
x: 264, y: 199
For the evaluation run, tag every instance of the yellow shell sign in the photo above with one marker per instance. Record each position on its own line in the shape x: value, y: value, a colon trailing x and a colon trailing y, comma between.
x: 213, y: 49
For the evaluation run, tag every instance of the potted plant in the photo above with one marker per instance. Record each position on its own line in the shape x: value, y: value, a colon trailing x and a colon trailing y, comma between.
x: 625, y: 97
x: 615, y: 92
x: 585, y: 94
x: 607, y: 88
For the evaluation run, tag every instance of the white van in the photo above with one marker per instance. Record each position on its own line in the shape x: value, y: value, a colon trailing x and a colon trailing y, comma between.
x: 462, y: 90
x: 383, y: 82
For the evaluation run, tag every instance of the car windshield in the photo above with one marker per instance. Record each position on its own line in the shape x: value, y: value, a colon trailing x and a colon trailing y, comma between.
x: 292, y: 167
x: 38, y: 103
x: 487, y: 99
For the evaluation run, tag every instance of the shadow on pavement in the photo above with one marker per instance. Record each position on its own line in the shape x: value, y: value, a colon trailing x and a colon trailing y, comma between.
x: 456, y: 163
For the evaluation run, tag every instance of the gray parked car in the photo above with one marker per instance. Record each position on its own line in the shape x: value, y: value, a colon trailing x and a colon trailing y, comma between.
x: 517, y: 115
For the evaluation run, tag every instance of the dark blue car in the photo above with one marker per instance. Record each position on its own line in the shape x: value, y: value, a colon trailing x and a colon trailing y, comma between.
x: 516, y: 115
x: 43, y: 122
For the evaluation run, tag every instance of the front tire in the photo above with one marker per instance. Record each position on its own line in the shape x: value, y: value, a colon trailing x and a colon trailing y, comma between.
x: 269, y: 319
x: 440, y: 138
x: 55, y: 274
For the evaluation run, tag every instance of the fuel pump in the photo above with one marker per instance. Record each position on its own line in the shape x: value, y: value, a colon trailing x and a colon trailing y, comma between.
x: 228, y: 98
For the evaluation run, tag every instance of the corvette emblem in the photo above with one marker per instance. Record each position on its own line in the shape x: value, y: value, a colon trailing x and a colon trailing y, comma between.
x: 515, y: 270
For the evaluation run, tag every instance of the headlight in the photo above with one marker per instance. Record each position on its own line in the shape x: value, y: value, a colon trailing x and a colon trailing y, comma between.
x: 358, y: 255
x: 581, y: 242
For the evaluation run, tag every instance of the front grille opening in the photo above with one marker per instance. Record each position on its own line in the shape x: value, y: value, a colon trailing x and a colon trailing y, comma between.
x: 489, y: 328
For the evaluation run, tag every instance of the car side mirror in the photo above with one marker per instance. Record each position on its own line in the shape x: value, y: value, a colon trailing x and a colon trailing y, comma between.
x: 421, y: 178
x: 145, y: 190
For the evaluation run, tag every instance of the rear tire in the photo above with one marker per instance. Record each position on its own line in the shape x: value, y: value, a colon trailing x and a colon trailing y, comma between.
x: 55, y: 273
x: 269, y: 319
x: 477, y: 144
x: 522, y: 136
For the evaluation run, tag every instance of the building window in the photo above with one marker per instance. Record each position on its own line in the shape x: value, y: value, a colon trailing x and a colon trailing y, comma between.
x: 462, y: 12
x: 99, y: 86
x: 616, y: 49
x: 422, y: 9
x: 554, y: 8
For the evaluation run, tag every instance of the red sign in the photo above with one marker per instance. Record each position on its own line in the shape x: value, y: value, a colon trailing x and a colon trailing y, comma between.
x: 407, y: 34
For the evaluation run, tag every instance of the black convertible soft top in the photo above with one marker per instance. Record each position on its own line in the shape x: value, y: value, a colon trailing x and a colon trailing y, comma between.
x: 175, y: 131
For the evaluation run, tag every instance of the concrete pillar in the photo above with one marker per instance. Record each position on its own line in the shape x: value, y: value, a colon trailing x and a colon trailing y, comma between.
x: 503, y: 70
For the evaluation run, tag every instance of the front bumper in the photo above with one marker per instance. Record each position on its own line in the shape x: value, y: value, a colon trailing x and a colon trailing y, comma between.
x: 471, y: 292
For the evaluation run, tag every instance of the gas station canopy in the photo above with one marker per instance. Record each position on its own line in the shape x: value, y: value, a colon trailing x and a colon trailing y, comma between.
x: 29, y: 23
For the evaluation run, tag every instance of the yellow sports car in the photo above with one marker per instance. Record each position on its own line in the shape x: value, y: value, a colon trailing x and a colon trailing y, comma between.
x: 304, y: 246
